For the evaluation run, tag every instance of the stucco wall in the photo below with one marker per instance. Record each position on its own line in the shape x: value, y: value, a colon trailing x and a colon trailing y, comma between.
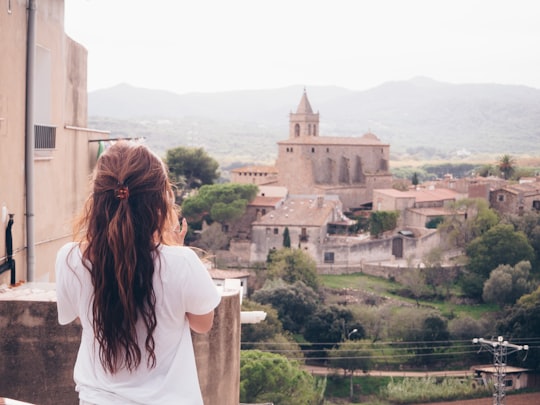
x: 61, y: 174
x: 352, y: 255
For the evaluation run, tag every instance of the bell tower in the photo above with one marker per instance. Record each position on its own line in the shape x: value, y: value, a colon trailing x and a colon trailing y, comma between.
x: 303, y: 123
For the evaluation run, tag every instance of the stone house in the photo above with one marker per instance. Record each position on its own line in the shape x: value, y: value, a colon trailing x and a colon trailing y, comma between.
x: 516, y: 198
x: 47, y: 151
x: 306, y: 218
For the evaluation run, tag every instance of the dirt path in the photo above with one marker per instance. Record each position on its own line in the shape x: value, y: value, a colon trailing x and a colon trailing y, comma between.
x: 521, y: 399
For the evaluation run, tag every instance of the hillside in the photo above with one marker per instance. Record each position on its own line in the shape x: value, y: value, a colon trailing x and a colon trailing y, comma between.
x: 419, y: 117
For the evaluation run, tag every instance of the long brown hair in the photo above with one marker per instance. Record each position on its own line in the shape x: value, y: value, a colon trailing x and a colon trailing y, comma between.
x: 128, y: 214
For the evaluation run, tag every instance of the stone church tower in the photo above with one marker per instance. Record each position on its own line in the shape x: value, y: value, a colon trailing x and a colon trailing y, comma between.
x: 350, y: 167
x: 304, y: 122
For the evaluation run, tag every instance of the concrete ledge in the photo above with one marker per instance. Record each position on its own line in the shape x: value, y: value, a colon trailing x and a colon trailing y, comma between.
x: 37, y: 355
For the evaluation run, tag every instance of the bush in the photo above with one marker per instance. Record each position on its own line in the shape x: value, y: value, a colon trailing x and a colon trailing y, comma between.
x: 430, y: 389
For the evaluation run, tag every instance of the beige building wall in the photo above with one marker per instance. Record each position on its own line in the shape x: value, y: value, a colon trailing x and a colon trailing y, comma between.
x: 61, y: 173
x: 12, y: 121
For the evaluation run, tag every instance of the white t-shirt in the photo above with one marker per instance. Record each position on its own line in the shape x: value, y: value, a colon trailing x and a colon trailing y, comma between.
x: 181, y: 284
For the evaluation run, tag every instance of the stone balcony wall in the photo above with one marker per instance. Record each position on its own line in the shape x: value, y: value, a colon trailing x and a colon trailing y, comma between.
x: 37, y: 355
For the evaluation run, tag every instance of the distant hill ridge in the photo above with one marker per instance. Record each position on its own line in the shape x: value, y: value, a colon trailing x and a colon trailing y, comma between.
x: 421, y: 117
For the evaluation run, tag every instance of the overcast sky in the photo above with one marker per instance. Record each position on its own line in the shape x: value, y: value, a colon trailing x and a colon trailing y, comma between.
x: 220, y: 45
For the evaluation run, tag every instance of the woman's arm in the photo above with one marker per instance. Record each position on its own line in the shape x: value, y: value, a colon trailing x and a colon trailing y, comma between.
x: 201, y: 323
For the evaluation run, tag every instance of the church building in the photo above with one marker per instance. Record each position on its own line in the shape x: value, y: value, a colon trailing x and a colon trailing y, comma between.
x: 349, y: 167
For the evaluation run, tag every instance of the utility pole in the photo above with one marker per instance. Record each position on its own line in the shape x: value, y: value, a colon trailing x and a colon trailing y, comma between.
x: 500, y: 349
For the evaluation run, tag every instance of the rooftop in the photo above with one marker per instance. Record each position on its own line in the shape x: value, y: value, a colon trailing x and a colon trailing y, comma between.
x: 300, y: 212
x: 368, y: 139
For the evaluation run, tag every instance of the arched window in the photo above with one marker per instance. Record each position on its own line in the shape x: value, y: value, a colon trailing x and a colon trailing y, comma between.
x: 297, y: 130
x: 309, y: 129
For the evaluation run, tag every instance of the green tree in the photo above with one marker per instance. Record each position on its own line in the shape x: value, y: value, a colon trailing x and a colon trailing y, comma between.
x: 262, y: 331
x: 415, y: 281
x: 529, y: 223
x: 191, y: 167
x: 219, y: 202
x: 328, y: 324
x: 292, y: 265
x: 269, y: 377
x: 463, y: 328
x: 269, y: 334
x: 414, y: 179
x: 295, y: 303
x: 499, y: 245
x: 506, y: 165
x: 431, y: 338
x: 506, y: 284
x: 213, y: 238
x: 435, y: 275
x: 382, y: 221
x: 470, y: 218
x: 286, y: 238
x: 522, y: 321
x: 485, y: 170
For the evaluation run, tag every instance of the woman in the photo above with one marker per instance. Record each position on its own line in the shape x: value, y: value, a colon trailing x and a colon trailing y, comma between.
x: 136, y: 292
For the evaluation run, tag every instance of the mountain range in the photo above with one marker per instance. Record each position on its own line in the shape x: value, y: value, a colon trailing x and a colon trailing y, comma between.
x: 420, y: 118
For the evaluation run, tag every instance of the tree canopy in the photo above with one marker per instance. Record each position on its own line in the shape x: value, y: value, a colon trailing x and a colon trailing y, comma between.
x: 286, y: 238
x: 471, y: 218
x: 529, y: 223
x: 292, y: 265
x: 506, y: 165
x: 499, y: 245
x: 351, y: 356
x: 295, y: 303
x: 506, y: 283
x: 382, y: 221
x: 191, y: 167
x: 523, y: 321
x: 270, y: 377
x: 330, y: 323
x: 219, y: 202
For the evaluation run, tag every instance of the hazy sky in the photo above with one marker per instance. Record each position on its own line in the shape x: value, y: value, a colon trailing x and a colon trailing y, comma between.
x: 218, y: 45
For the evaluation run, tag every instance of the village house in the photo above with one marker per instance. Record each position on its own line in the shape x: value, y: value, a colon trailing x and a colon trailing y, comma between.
x: 416, y: 207
x: 516, y: 198
x: 305, y: 217
x: 515, y: 378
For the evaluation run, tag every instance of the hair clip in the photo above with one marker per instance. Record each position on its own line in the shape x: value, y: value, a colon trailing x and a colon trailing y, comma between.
x: 121, y: 192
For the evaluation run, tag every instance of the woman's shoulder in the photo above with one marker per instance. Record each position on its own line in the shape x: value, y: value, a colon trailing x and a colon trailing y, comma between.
x: 178, y: 251
x: 180, y: 257
x: 67, y: 251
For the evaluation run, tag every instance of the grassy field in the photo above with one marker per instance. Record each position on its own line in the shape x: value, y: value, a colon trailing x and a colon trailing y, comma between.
x: 386, y: 288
